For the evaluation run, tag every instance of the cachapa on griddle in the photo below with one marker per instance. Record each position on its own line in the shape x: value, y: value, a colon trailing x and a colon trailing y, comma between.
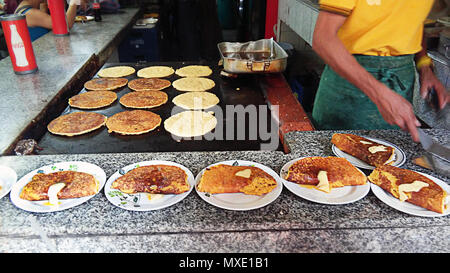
x: 190, y: 123
x: 104, y: 84
x: 144, y: 99
x: 116, y: 71
x: 93, y: 99
x: 134, y: 122
x: 194, y: 71
x: 196, y: 100
x: 76, y: 123
x: 155, y: 72
x: 193, y: 84
x: 146, y: 84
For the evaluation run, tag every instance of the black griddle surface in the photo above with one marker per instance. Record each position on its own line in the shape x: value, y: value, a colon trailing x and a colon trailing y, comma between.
x: 100, y: 141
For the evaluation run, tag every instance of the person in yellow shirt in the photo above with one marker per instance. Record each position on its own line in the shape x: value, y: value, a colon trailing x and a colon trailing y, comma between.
x: 371, y: 49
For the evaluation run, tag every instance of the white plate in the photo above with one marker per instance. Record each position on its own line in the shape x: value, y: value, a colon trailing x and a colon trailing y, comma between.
x: 7, y: 179
x: 399, y: 155
x: 407, y: 207
x: 142, y: 201
x: 88, y: 18
x: 337, y: 196
x: 241, y: 201
x: 40, y: 206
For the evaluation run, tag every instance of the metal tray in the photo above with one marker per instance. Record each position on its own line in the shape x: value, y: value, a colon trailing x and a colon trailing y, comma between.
x: 261, y: 56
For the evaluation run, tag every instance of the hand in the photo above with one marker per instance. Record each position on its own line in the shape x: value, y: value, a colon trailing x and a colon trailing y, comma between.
x: 428, y: 81
x: 397, y: 110
x: 77, y: 3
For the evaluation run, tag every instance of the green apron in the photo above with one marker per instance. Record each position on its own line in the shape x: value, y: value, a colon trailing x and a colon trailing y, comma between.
x: 339, y: 105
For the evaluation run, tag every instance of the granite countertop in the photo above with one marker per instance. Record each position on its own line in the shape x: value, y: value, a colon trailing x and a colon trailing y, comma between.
x: 289, y: 224
x: 59, y: 59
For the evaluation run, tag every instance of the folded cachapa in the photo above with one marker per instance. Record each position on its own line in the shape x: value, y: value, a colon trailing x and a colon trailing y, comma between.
x: 410, y: 186
x: 325, y: 173
x: 223, y: 178
x: 371, y: 152
x: 76, y: 184
x: 155, y: 179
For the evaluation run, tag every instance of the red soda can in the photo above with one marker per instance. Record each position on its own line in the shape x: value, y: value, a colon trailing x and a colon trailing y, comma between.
x: 58, y: 14
x: 19, y: 44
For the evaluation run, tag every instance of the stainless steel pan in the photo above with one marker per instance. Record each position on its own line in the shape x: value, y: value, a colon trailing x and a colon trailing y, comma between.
x: 261, y: 56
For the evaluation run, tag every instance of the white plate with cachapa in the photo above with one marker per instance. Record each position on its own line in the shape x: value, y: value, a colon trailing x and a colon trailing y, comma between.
x: 407, y: 207
x: 43, y: 205
x: 337, y: 196
x: 145, y: 201
x: 241, y: 201
x: 7, y: 179
x: 398, y: 160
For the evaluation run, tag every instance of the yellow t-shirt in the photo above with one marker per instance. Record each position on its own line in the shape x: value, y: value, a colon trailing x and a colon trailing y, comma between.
x: 381, y: 27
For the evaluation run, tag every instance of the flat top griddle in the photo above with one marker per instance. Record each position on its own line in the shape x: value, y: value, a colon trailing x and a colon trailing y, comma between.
x: 244, y: 90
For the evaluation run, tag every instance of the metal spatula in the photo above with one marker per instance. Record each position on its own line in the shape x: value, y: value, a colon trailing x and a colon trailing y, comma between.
x: 433, y: 147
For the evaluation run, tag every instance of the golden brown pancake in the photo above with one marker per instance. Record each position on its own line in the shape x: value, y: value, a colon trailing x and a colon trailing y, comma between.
x: 93, y: 99
x: 194, y: 71
x: 103, y: 84
x: 147, y: 84
x: 77, y: 184
x: 155, y: 179
x: 361, y: 147
x: 233, y: 179
x: 116, y: 72
x: 389, y: 178
x: 196, y: 100
x: 339, y: 172
x: 76, y: 123
x: 133, y: 122
x: 190, y: 123
x: 155, y: 72
x: 144, y: 99
x: 193, y: 84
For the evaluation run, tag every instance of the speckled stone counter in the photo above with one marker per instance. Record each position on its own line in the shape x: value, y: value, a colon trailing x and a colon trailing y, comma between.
x: 289, y: 224
x: 59, y: 59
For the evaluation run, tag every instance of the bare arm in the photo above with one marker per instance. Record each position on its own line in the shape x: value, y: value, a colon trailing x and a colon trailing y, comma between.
x: 429, y: 81
x: 38, y: 18
x: 326, y: 43
x: 71, y: 14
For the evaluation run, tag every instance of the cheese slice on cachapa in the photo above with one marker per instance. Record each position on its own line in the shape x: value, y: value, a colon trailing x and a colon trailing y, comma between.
x: 52, y: 193
x: 411, y: 187
x: 324, y: 184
